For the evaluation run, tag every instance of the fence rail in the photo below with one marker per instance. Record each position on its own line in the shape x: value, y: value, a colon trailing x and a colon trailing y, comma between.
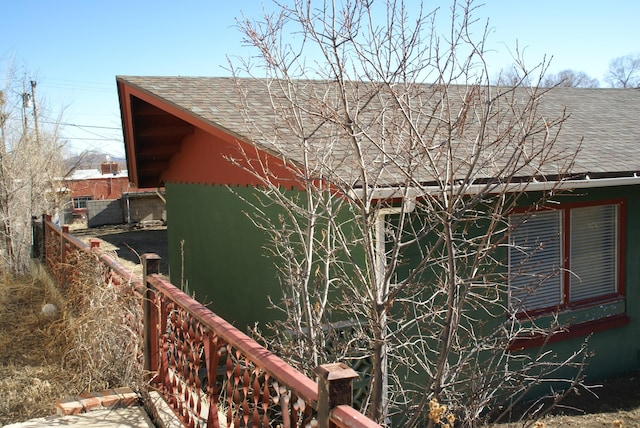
x: 210, y: 373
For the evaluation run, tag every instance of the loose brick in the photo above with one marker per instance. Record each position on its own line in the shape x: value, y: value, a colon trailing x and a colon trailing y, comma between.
x: 127, y: 396
x: 89, y: 401
x: 69, y: 406
x: 108, y: 398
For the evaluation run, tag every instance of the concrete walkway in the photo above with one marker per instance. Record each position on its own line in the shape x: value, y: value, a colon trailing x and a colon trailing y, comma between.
x: 114, y: 408
x: 129, y: 417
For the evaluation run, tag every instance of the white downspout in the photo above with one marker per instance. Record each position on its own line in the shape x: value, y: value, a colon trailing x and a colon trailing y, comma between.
x: 382, y: 285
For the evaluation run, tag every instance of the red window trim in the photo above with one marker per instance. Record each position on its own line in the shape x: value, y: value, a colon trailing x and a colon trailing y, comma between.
x: 572, y: 331
x: 622, y: 227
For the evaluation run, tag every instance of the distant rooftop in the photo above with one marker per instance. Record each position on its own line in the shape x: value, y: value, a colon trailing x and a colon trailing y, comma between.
x: 107, y: 169
x: 90, y: 174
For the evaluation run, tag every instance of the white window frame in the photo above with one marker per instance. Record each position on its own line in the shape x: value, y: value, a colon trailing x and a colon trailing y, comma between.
x: 80, y: 202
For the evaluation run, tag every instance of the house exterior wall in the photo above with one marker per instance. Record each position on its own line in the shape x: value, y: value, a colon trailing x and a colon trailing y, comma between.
x: 103, y: 188
x: 99, y: 188
x: 205, y: 158
x: 217, y: 253
x: 616, y: 350
x: 615, y: 345
x: 225, y: 264
x: 143, y: 208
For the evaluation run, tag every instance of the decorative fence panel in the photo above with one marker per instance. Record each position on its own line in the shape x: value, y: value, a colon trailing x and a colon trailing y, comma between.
x: 210, y: 373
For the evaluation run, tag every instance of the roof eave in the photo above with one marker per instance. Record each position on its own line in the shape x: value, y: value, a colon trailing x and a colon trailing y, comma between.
x: 411, y: 193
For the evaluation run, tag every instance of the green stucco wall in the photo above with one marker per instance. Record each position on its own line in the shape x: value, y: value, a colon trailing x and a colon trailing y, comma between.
x: 225, y: 265
x: 615, y: 350
x: 224, y: 261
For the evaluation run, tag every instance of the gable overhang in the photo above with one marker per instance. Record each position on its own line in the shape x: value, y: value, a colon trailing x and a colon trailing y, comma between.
x: 154, y: 130
x: 152, y: 134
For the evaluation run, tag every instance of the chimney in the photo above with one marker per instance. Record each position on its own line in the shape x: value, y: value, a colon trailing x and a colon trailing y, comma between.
x: 109, y: 167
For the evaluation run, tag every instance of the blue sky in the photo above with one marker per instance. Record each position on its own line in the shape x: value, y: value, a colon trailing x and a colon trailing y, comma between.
x: 75, y: 48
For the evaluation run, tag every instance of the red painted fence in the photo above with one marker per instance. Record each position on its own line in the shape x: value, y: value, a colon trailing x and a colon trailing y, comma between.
x: 210, y: 373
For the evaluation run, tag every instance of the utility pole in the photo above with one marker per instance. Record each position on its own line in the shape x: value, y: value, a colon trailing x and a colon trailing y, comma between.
x: 26, y: 99
x: 35, y: 112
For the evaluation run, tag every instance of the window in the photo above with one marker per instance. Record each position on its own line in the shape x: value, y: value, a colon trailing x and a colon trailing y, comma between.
x: 81, y: 201
x: 565, y: 258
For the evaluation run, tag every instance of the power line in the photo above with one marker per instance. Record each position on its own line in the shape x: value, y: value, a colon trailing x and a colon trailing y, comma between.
x: 70, y: 81
x: 79, y: 85
x: 84, y: 126
x: 115, y: 147
x: 91, y: 139
x: 97, y: 134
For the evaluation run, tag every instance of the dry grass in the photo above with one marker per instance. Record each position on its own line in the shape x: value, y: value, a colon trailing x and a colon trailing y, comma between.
x: 91, y: 343
x: 30, y: 348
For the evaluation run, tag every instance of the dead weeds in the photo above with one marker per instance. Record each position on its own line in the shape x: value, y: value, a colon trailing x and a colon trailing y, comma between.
x: 90, y: 342
x: 31, y: 346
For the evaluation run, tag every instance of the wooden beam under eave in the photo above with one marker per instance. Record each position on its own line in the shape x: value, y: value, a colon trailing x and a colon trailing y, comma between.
x: 143, y: 108
x: 179, y: 131
x: 153, y: 167
x: 149, y: 181
x: 161, y: 119
x: 158, y: 149
x: 154, y: 158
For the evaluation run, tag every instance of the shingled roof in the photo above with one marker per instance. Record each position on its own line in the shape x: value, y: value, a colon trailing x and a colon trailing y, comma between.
x: 605, y: 122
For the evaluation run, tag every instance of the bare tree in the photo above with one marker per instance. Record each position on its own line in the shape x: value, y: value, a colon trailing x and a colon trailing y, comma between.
x: 510, y: 77
x: 30, y: 167
x: 518, y: 75
x: 570, y: 79
x: 403, y: 162
x: 624, y: 72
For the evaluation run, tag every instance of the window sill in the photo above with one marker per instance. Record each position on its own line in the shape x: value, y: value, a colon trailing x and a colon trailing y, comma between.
x: 572, y: 331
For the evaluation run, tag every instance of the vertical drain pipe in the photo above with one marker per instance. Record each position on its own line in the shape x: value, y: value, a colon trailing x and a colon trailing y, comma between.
x: 382, y: 286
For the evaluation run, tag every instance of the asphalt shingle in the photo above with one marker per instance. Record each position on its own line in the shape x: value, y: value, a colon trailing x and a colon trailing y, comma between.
x: 604, y: 123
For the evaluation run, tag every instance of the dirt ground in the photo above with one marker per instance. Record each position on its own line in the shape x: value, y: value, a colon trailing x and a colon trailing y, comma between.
x: 48, y: 357
x: 130, y: 242
x: 612, y: 403
x: 31, y: 376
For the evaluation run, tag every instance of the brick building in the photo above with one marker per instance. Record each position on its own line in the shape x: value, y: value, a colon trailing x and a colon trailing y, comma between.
x: 108, y: 182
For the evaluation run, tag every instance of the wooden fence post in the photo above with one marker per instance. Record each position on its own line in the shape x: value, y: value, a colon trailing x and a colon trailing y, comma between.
x: 64, y: 231
x: 43, y: 240
x: 47, y: 232
x: 150, y: 265
x: 335, y: 388
x: 63, y: 255
x: 37, y: 237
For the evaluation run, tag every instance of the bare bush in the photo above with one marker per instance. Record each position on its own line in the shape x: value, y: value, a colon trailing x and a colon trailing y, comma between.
x: 30, y: 167
x: 103, y: 329
x: 403, y: 162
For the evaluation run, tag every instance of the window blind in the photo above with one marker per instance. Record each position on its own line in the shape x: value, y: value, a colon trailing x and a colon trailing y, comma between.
x: 535, y: 260
x: 593, y: 252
